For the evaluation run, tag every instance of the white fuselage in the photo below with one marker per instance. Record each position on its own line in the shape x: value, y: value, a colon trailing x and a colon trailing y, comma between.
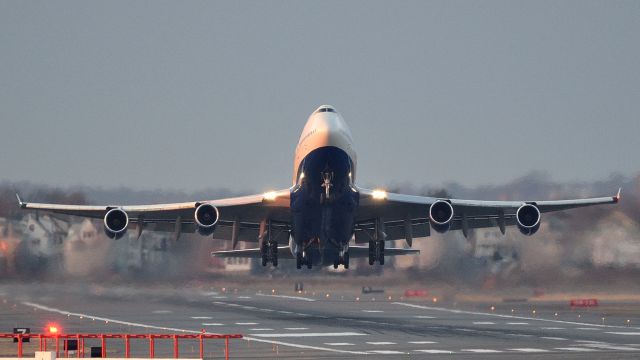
x: 324, y: 128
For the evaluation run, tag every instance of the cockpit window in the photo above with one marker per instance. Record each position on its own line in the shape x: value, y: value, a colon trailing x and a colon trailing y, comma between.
x: 326, y: 110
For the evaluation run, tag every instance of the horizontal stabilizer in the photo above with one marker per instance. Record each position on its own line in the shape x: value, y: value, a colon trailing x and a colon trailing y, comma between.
x: 284, y: 253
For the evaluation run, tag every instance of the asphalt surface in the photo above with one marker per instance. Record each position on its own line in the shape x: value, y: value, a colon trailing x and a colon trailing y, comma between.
x: 322, y: 324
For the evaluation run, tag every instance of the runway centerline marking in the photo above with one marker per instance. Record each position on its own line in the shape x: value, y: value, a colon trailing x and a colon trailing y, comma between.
x: 380, y: 343
x: 466, y: 312
x: 483, y: 323
x: 517, y: 323
x: 434, y: 351
x: 373, y: 311
x: 529, y: 350
x: 622, y: 333
x: 481, y: 351
x: 201, y: 317
x: 553, y: 338
x: 287, y: 297
x: 296, y: 328
x: 288, y: 335
x: 339, y: 344
x: 247, y: 323
x: 421, y: 342
x: 147, y: 326
x: 212, y: 324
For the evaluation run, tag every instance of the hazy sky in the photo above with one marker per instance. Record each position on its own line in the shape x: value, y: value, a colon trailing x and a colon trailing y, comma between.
x: 189, y: 95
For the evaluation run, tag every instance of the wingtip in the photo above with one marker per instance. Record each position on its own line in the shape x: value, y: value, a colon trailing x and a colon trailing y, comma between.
x: 21, y: 204
x: 618, y: 196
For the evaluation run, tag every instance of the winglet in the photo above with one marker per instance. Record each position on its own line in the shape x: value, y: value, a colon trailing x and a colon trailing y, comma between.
x: 20, y: 203
x: 617, y: 197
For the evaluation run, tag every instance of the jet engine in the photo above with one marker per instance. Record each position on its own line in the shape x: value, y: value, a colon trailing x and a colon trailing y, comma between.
x: 206, y: 217
x: 440, y: 216
x: 115, y: 223
x: 528, y: 219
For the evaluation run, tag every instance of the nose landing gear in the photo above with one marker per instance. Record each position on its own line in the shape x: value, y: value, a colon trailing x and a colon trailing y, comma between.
x: 342, y: 260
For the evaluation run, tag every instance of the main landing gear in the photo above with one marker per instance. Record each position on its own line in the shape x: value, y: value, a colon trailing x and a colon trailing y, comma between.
x: 269, y: 252
x: 342, y: 260
x: 376, y: 252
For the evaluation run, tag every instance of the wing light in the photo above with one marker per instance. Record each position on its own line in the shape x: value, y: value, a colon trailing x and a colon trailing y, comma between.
x: 618, y: 196
x: 379, y: 194
x: 270, y: 195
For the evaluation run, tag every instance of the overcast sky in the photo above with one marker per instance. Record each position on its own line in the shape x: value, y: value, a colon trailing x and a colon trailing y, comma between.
x: 191, y: 95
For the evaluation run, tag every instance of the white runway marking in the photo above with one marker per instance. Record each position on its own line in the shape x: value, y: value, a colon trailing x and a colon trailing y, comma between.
x: 481, y: 351
x: 454, y: 311
x: 288, y: 297
x: 424, y: 317
x: 247, y: 323
x: 433, y: 351
x: 308, y: 335
x: 586, y: 328
x: 244, y: 297
x: 219, y: 297
x: 422, y: 342
x: 483, y: 323
x: 552, y: 328
x: 261, y: 329
x: 385, y: 352
x: 380, y: 343
x: 339, y: 344
x: 611, y: 347
x: 552, y: 338
x: 529, y: 350
x: 147, y: 326
x: 575, y: 349
x: 517, y: 323
x: 212, y: 324
x: 373, y: 311
x: 296, y: 328
x: 202, y: 317
x: 622, y: 333
x: 285, y: 312
x: 161, y: 312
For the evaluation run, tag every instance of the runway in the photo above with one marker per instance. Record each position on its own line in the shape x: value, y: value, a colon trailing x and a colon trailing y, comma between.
x: 325, y: 324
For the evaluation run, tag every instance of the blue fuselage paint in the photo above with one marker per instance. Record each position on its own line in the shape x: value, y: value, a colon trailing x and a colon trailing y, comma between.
x: 322, y: 225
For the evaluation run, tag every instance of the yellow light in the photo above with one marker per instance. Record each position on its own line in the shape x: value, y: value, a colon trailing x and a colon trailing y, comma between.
x: 270, y: 195
x: 379, y: 194
x: 52, y: 329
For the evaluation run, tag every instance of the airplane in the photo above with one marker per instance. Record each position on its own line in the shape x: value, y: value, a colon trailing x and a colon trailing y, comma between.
x: 324, y: 218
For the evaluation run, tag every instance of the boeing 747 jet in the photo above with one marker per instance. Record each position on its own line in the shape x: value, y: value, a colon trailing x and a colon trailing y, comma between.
x: 324, y: 218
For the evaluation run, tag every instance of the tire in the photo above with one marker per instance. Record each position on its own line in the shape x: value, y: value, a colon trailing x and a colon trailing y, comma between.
x: 346, y: 260
x: 264, y: 261
x: 381, y: 260
x: 275, y: 261
x: 298, y: 261
x: 371, y: 261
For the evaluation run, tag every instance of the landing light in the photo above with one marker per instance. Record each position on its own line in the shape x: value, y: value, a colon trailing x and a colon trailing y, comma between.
x: 52, y: 329
x: 379, y: 194
x: 270, y: 195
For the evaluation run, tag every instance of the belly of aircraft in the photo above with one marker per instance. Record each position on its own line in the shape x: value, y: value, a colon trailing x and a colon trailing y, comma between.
x: 324, y: 205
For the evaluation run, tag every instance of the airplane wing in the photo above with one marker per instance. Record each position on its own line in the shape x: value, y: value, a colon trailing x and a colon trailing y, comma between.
x: 407, y: 216
x: 246, y: 212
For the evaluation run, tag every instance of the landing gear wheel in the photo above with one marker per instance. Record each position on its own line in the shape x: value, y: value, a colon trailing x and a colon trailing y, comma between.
x: 309, y: 264
x: 345, y: 261
x: 299, y: 261
x: 381, y: 253
x: 335, y: 264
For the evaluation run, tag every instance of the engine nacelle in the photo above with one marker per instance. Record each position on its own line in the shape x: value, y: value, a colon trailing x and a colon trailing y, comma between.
x: 528, y: 219
x: 206, y: 218
x: 440, y: 216
x: 115, y: 223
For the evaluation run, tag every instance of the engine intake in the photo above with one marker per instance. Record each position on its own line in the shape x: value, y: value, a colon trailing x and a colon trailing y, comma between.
x: 528, y: 219
x: 206, y: 218
x: 440, y: 216
x: 115, y: 223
